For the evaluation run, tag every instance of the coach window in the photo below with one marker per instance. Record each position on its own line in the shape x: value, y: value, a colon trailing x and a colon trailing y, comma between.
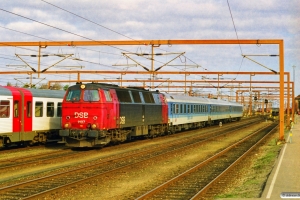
x: 91, y: 95
x: 181, y: 108
x: 50, y: 109
x: 29, y: 109
x: 107, y: 95
x: 188, y: 109
x: 59, y: 109
x: 4, y: 109
x: 176, y: 108
x: 38, y: 109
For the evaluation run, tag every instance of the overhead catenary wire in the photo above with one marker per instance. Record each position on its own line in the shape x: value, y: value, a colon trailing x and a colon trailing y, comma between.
x: 84, y: 18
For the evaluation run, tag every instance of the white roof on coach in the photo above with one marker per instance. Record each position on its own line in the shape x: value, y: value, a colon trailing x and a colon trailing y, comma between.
x: 190, y: 99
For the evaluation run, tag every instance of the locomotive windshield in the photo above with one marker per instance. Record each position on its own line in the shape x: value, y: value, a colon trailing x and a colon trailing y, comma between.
x: 73, y: 95
x: 91, y: 95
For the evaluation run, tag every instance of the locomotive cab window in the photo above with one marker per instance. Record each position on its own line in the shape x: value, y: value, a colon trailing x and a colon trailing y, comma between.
x: 50, y: 109
x: 73, y: 95
x: 107, y: 95
x: 4, y: 109
x: 91, y: 95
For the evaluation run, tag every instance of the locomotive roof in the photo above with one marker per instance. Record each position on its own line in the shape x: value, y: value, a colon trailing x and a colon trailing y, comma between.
x: 108, y: 86
x: 190, y: 99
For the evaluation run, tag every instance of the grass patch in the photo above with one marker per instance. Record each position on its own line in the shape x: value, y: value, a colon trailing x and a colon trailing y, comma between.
x: 252, y: 174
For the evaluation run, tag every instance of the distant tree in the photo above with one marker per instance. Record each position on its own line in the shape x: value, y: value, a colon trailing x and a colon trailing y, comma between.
x: 66, y: 87
x: 43, y: 86
x: 57, y: 86
x: 26, y: 85
x: 8, y: 84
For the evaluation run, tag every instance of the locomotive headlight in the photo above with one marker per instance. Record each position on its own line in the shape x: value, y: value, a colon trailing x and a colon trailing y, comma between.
x: 94, y: 126
x: 67, y: 125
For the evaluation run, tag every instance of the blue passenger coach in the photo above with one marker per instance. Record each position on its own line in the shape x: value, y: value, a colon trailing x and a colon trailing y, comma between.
x: 186, y: 112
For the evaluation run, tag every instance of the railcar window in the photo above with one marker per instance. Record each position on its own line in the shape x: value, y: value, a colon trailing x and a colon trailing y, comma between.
x: 107, y: 95
x: 73, y: 95
x: 148, y: 97
x: 16, y: 108
x: 136, y: 97
x: 59, y: 109
x: 50, y: 109
x: 188, y: 109
x: 4, y: 109
x: 123, y: 96
x: 181, y: 108
x: 29, y: 109
x: 91, y: 95
x: 39, y: 109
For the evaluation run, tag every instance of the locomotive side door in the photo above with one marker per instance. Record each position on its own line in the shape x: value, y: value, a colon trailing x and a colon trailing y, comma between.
x: 112, y: 108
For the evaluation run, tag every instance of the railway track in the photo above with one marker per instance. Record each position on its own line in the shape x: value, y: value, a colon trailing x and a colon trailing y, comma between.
x: 195, y: 182
x: 56, y: 182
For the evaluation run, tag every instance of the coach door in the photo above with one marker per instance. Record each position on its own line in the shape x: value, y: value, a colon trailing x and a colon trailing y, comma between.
x: 16, y: 117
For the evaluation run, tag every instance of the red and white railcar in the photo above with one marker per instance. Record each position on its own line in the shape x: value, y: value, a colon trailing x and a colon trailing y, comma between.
x: 29, y: 115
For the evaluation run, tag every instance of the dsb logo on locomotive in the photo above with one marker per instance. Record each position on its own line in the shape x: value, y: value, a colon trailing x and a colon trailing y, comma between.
x: 81, y: 114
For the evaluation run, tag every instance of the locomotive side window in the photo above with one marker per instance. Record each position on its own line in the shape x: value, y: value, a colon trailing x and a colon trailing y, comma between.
x: 91, y: 95
x: 73, y: 95
x: 16, y: 108
x: 59, y: 109
x: 136, y: 97
x: 4, y: 109
x: 123, y: 96
x: 39, y: 109
x: 107, y: 95
x: 29, y: 109
x: 148, y: 97
x: 50, y: 109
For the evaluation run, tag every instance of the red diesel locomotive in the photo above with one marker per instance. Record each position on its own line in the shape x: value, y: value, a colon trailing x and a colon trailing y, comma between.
x: 96, y: 114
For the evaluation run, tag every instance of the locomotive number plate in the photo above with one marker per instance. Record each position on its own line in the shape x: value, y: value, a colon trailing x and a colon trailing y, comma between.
x: 122, y: 120
x: 81, y: 114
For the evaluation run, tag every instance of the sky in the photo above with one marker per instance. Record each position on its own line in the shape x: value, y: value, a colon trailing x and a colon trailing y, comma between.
x: 56, y: 20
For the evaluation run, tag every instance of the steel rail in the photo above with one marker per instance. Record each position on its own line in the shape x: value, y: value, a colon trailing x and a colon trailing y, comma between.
x: 34, y: 196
